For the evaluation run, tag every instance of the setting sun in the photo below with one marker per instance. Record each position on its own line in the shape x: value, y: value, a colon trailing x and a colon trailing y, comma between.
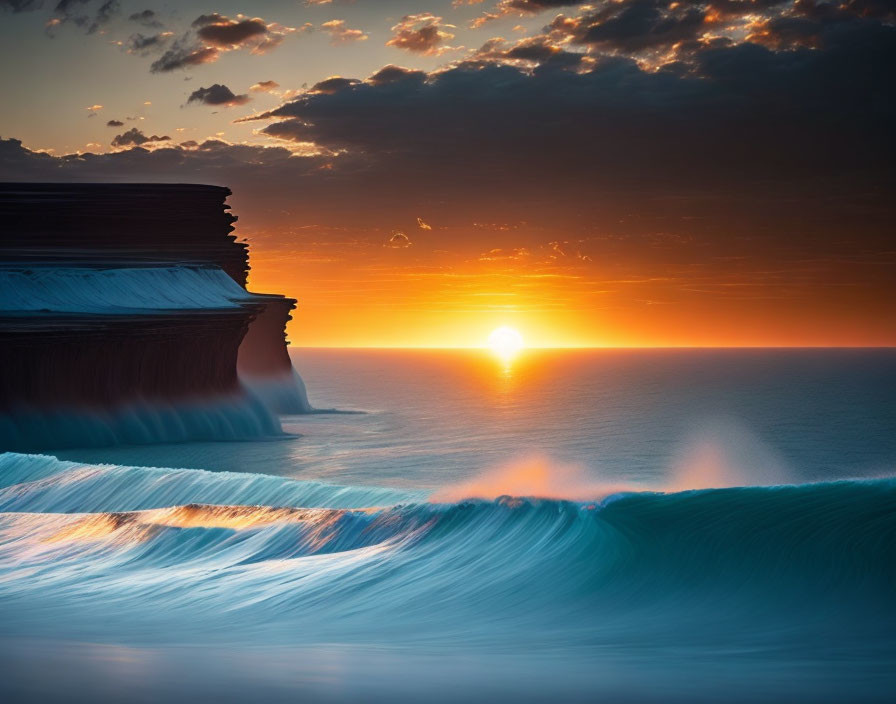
x: 505, y: 342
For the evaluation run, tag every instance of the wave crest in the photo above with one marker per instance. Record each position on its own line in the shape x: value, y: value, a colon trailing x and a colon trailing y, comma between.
x: 279, y: 559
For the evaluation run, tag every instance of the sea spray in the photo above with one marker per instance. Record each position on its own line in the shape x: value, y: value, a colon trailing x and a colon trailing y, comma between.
x: 237, y: 416
x: 282, y: 393
x: 531, y: 476
x: 721, y: 454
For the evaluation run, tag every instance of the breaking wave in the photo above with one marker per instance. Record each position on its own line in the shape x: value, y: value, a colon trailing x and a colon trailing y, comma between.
x: 232, y: 417
x: 95, y: 549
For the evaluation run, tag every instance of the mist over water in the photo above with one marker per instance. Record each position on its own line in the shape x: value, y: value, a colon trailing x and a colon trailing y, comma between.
x: 631, y: 526
x: 432, y: 418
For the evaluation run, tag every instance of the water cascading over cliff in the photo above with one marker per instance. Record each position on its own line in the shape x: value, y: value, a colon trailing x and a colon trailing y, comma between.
x: 124, y: 318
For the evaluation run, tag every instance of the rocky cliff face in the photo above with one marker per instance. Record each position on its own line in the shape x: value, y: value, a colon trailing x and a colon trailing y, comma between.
x: 264, y: 365
x: 120, y: 224
x: 124, y: 317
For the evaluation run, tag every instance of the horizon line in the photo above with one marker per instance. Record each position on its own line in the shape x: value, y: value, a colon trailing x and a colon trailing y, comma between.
x: 485, y: 348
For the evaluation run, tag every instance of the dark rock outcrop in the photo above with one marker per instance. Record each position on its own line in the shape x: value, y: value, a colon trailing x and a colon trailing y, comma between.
x: 120, y: 224
x: 124, y: 318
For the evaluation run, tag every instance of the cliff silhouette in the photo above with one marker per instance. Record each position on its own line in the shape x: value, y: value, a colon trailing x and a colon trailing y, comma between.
x: 124, y: 313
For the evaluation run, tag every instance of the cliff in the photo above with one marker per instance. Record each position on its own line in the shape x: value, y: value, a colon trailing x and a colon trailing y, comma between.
x: 263, y: 364
x: 120, y: 224
x: 124, y: 317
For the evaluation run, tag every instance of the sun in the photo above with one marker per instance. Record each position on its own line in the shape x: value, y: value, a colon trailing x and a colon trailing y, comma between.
x: 505, y: 342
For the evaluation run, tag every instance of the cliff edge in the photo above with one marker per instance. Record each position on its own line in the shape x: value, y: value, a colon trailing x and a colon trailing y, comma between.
x: 124, y: 318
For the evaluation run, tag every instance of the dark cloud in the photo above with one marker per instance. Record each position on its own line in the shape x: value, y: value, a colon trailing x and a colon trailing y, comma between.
x: 876, y: 9
x: 184, y: 55
x: 85, y: 14
x: 214, y: 34
x: 104, y: 13
x: 786, y: 32
x: 217, y: 94
x: 114, y: 123
x: 737, y: 149
x: 224, y: 32
x: 520, y: 7
x: 211, y: 161
x: 334, y: 84
x: 148, y: 18
x: 20, y: 5
x: 734, y: 9
x: 134, y: 137
x: 533, y: 50
x: 534, y: 6
x: 715, y: 9
x: 395, y: 74
x: 737, y: 114
x: 141, y: 44
x: 213, y: 18
x: 808, y: 21
x: 634, y: 25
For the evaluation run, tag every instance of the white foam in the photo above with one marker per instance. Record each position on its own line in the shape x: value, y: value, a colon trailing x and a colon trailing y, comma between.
x: 87, y: 290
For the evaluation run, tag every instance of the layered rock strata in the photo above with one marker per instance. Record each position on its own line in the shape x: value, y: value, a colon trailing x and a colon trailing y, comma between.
x: 124, y: 317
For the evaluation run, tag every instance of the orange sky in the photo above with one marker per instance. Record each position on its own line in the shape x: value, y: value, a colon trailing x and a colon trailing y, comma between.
x: 451, y: 303
x: 419, y: 172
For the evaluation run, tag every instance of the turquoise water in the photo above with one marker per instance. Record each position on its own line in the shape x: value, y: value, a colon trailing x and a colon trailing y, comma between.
x: 700, y: 526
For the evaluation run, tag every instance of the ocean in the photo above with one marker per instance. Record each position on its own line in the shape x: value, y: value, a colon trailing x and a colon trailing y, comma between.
x: 577, y: 525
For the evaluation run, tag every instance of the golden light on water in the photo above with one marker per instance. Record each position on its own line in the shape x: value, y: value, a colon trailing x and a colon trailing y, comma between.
x: 506, y: 343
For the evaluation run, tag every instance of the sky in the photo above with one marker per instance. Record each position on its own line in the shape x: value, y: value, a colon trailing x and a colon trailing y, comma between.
x: 420, y: 172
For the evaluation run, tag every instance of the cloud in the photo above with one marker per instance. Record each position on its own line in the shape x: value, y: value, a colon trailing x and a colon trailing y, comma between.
x: 82, y: 14
x: 519, y: 8
x: 340, y: 33
x: 214, y: 34
x: 727, y: 149
x: 535, y: 6
x: 141, y: 44
x: 395, y: 74
x: 183, y: 55
x: 734, y: 114
x: 422, y: 34
x: 264, y: 86
x: 224, y: 32
x: 634, y: 25
x: 334, y: 84
x: 398, y: 240
x: 539, y: 50
x: 807, y: 22
x: 114, y: 123
x: 134, y: 137
x: 147, y: 18
x: 20, y: 5
x: 240, y: 33
x: 217, y: 94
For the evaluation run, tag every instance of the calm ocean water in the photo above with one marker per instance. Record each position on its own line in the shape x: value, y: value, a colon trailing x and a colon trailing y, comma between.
x: 709, y: 525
